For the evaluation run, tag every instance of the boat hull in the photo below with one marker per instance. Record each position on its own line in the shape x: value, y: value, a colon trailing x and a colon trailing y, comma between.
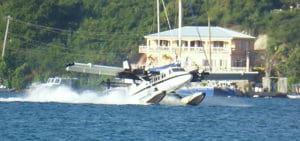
x: 293, y: 96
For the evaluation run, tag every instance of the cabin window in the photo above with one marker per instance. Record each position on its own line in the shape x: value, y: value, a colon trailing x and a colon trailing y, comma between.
x: 163, y: 75
x: 218, y: 44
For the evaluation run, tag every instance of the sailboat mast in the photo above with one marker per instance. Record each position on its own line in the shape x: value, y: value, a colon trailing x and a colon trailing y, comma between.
x: 179, y: 27
x: 209, y: 34
x: 158, y: 24
x: 5, y: 36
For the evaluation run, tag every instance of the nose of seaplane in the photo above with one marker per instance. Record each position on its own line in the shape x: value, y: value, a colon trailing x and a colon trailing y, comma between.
x: 187, y: 78
x: 183, y: 79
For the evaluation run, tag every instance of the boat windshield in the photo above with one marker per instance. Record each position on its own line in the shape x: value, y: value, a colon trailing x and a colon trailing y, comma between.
x: 49, y: 80
x: 57, y: 80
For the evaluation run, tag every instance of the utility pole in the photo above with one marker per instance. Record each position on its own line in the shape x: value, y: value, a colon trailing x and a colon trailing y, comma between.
x: 5, y: 36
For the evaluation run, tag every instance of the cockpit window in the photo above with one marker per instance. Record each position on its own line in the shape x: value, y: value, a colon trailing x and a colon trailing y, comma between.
x: 177, y: 69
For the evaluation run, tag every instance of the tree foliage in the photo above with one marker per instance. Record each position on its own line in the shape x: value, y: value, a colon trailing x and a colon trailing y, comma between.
x: 46, y: 35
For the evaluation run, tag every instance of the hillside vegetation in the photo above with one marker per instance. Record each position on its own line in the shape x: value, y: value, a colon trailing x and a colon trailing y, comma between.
x: 44, y: 36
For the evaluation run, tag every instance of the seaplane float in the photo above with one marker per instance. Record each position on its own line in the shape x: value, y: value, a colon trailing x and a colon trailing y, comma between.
x: 151, y: 85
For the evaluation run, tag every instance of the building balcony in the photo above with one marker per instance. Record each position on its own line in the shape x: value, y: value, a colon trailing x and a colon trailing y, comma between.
x: 223, y: 69
x: 160, y: 49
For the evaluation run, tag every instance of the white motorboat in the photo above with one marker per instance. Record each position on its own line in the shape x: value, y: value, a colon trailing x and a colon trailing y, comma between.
x: 296, y: 92
x: 58, y: 81
x: 293, y: 96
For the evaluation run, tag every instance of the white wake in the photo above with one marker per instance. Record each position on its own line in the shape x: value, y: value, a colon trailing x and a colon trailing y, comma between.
x: 64, y: 94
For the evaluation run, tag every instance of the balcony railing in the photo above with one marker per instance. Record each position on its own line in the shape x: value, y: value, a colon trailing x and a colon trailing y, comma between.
x: 223, y: 69
x: 155, y: 49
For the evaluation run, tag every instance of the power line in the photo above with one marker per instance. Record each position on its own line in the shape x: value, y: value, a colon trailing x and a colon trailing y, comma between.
x: 45, y: 51
x: 35, y: 46
x: 96, y: 40
x: 54, y: 29
x: 99, y: 36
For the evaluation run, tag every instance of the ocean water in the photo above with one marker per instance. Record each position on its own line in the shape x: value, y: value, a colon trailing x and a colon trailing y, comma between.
x: 62, y: 114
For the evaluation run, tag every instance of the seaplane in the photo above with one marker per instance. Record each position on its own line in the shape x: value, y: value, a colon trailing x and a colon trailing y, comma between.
x: 148, y: 85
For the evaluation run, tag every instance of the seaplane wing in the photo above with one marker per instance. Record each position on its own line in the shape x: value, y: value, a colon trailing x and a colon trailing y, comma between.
x: 94, y: 69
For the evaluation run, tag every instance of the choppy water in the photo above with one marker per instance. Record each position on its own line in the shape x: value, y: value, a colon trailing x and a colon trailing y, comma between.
x: 66, y: 115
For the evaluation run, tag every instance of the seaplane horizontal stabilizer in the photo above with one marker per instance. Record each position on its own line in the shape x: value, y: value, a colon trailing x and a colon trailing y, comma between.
x: 94, y: 69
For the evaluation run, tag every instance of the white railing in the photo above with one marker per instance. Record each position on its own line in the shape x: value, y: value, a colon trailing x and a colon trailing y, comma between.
x: 146, y: 49
x: 232, y: 69
x: 239, y: 69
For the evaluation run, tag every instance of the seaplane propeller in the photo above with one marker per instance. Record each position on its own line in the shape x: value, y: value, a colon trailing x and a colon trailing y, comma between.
x: 198, y: 75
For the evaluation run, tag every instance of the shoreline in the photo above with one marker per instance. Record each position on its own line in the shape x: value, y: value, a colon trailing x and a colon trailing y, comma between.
x: 263, y: 94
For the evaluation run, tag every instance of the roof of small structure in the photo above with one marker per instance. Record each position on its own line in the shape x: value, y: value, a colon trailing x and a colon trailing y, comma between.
x: 201, y: 32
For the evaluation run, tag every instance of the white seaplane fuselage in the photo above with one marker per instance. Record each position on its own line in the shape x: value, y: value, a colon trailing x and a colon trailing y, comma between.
x: 163, y: 83
x: 168, y: 80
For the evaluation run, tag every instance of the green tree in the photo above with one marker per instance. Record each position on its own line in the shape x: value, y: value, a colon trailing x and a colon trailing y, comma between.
x: 18, y: 80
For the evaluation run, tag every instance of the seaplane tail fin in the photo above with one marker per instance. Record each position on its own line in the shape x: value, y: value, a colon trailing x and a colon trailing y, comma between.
x: 93, y: 69
x: 126, y: 65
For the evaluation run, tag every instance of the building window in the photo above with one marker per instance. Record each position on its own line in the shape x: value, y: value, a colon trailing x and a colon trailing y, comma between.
x: 239, y: 63
x: 196, y: 44
x: 199, y: 43
x: 184, y: 44
x: 218, y: 44
x: 192, y: 43
x: 164, y: 43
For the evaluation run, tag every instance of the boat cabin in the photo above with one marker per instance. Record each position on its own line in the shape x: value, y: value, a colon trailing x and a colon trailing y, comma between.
x: 57, y: 81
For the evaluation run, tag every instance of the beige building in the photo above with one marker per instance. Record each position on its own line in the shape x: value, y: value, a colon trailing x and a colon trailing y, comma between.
x: 216, y: 49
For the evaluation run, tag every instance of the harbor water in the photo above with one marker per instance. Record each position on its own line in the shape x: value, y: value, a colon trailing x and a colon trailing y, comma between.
x: 216, y: 118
